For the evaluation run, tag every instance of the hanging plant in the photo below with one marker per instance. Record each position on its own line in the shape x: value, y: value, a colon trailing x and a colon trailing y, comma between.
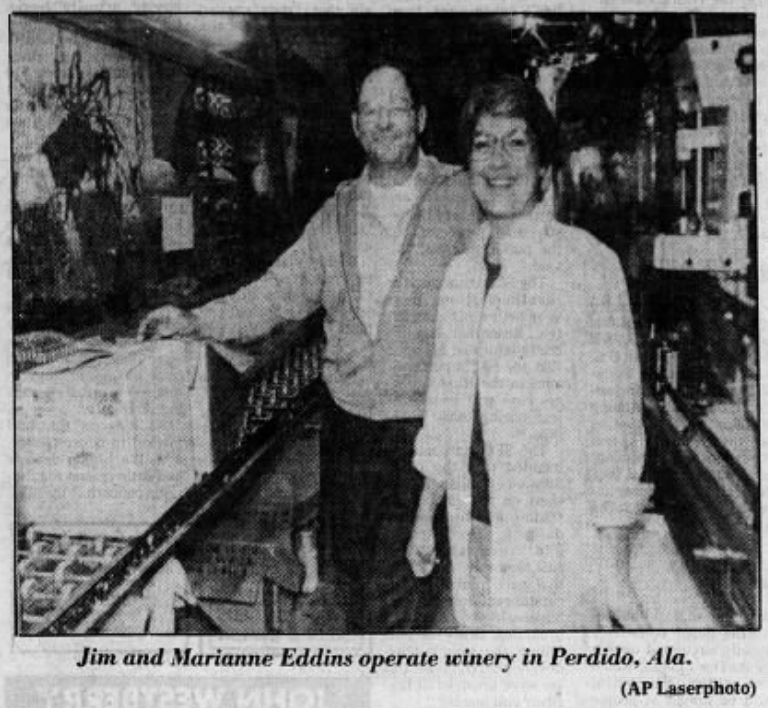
x: 84, y: 147
x: 85, y: 142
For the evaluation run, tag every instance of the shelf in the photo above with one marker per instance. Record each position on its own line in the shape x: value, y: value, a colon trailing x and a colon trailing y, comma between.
x: 146, y: 34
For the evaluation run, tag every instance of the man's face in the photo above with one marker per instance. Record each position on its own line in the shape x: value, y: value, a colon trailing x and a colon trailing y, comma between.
x: 386, y: 122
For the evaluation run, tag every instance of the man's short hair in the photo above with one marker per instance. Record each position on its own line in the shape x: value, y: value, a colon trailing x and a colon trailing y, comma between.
x: 511, y: 97
x: 386, y: 62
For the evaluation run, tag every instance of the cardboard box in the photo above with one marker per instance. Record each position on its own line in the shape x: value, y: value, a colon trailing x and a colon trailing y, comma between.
x: 111, y: 443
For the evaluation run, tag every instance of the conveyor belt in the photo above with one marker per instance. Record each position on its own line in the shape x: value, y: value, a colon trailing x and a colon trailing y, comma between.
x: 52, y: 603
x: 711, y: 503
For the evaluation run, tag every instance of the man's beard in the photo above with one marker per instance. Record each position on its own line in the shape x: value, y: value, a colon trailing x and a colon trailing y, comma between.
x: 388, y: 150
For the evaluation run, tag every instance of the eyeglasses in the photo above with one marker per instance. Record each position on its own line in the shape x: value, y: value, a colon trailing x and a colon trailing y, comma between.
x: 368, y: 114
x: 484, y: 146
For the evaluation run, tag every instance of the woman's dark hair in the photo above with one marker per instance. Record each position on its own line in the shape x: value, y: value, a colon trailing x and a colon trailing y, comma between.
x: 511, y: 97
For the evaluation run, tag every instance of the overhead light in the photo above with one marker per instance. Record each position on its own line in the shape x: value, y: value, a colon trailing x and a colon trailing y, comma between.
x: 218, y: 32
x: 517, y: 21
x: 528, y: 25
x: 625, y: 19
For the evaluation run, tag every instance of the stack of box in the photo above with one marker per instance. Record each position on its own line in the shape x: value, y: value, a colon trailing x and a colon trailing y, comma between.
x: 108, y: 445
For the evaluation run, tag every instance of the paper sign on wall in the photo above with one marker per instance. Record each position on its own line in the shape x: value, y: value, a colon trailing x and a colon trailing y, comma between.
x: 178, y: 223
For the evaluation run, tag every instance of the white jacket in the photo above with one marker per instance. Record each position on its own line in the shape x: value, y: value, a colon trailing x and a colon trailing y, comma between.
x: 553, y: 351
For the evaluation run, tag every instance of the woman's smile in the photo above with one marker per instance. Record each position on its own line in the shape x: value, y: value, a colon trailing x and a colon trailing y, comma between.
x: 500, y: 182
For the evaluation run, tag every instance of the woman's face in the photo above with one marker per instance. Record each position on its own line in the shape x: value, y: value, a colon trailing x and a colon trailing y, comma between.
x: 504, y: 167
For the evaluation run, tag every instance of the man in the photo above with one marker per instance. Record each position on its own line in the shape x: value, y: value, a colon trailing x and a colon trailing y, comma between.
x: 373, y: 257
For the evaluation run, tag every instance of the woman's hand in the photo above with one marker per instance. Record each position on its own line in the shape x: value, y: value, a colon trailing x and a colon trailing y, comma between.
x: 421, y: 548
x: 621, y: 604
x: 620, y: 601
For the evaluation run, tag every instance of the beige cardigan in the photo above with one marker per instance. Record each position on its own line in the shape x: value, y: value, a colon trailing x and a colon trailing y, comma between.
x: 552, y: 349
x: 379, y: 377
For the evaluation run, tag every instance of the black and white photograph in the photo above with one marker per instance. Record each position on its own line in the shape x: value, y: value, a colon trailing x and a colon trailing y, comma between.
x: 363, y: 323
x: 363, y: 328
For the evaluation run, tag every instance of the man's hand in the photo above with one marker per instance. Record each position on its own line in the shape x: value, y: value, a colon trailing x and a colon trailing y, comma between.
x: 168, y: 321
x: 421, y: 549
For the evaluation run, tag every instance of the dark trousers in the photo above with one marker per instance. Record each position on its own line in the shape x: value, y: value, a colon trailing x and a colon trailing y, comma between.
x: 370, y: 493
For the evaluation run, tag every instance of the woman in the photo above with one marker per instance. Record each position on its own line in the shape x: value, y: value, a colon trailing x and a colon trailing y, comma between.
x: 533, y: 421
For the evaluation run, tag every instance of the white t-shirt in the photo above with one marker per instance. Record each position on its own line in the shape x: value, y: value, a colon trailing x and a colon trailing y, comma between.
x: 382, y: 222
